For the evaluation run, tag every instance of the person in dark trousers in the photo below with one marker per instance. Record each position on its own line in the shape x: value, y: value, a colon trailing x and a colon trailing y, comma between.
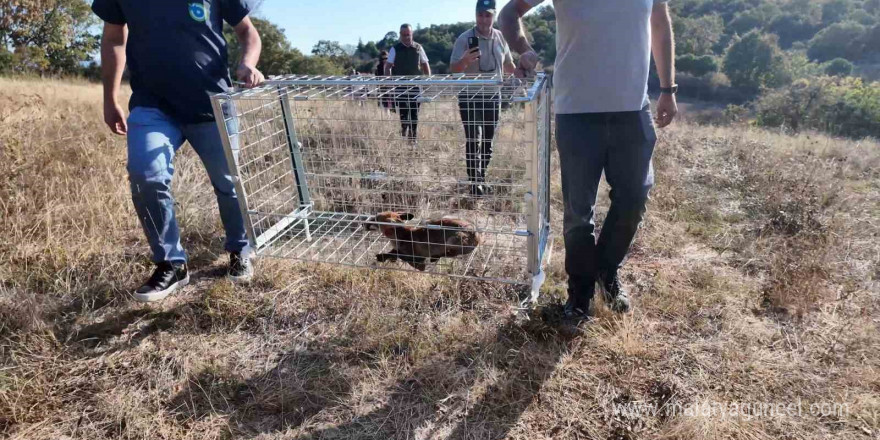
x: 603, y: 123
x: 177, y: 58
x: 384, y: 100
x: 407, y: 58
x: 480, y: 112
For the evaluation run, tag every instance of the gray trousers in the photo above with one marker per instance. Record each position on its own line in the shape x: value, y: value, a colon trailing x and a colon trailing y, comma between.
x: 621, y: 145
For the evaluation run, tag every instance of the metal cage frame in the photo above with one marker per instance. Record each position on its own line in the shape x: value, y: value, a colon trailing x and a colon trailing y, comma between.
x: 262, y: 131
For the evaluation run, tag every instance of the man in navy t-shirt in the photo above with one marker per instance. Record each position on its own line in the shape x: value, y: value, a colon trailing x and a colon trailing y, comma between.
x: 177, y: 58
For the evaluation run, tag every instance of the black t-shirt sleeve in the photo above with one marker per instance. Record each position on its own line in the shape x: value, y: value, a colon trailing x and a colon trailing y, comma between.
x: 234, y: 11
x: 109, y: 11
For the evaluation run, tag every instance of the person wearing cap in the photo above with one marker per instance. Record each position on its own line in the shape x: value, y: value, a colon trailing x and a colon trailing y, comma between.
x: 408, y: 58
x: 479, y: 112
x: 603, y: 123
x: 176, y: 55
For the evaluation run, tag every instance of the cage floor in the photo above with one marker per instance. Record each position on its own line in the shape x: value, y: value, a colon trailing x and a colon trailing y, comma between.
x: 337, y: 238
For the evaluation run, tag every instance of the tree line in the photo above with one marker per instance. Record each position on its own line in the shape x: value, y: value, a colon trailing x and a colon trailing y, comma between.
x: 727, y: 50
x: 755, y: 43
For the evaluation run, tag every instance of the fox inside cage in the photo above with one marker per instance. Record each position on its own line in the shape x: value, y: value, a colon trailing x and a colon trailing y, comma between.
x: 447, y: 174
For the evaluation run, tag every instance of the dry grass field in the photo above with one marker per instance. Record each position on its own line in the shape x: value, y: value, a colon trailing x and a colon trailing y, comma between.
x: 755, y: 285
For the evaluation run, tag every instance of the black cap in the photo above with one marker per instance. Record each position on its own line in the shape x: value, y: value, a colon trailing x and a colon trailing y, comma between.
x: 486, y: 5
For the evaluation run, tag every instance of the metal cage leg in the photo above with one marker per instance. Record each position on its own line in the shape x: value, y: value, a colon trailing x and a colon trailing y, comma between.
x: 533, y: 203
x: 299, y: 171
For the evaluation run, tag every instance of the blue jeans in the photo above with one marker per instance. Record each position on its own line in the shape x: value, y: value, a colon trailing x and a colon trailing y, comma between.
x: 153, y: 140
x: 621, y: 144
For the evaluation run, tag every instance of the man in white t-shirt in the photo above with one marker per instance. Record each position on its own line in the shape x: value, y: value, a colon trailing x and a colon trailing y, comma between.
x: 603, y: 123
x: 407, y: 58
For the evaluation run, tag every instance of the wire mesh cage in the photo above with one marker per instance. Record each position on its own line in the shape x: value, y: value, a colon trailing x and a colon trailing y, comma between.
x: 445, y: 174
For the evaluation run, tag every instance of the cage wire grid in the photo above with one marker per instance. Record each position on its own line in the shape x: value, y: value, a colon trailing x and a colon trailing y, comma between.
x: 316, y: 158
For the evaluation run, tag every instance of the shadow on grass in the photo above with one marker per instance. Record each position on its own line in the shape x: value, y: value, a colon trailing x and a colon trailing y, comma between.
x: 301, y: 385
x: 109, y: 292
x: 505, y: 375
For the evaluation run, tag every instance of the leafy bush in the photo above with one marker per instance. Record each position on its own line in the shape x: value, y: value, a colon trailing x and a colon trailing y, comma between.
x: 746, y: 22
x: 839, y: 67
x: 840, y: 40
x: 697, y: 36
x: 793, y: 28
x: 835, y: 10
x: 736, y: 113
x: 755, y: 62
x: 5, y: 61
x: 799, y: 66
x: 839, y: 106
x: 697, y: 65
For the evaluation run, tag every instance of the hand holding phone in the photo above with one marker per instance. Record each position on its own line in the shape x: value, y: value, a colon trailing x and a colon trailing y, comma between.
x: 474, y: 45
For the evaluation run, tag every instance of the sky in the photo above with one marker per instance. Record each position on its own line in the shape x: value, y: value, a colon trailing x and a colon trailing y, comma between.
x: 307, y: 21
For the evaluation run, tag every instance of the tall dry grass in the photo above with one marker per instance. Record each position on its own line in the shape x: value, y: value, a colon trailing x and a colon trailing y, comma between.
x: 754, y: 281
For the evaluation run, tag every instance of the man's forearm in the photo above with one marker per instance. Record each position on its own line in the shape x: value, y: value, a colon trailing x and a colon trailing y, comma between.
x: 458, y: 66
x: 426, y: 69
x: 251, y: 46
x: 512, y: 27
x: 112, y: 65
x: 663, y: 48
x: 509, y: 67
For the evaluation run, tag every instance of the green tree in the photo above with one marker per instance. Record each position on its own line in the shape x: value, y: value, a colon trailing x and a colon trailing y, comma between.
x: 862, y: 17
x: 835, y: 11
x: 388, y: 41
x: 728, y: 9
x: 277, y: 53
x: 367, y: 51
x: 839, y: 67
x: 697, y: 66
x: 279, y: 57
x: 47, y: 36
x: 872, y: 44
x: 316, y: 65
x: 746, y: 21
x: 798, y: 66
x: 330, y: 49
x: 699, y: 35
x: 755, y: 62
x: 333, y: 52
x: 542, y: 29
x: 793, y: 27
x: 840, y: 40
x: 6, y: 65
x: 437, y: 40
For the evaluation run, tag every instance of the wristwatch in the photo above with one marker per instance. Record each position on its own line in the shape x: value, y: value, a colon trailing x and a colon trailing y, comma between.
x: 669, y: 90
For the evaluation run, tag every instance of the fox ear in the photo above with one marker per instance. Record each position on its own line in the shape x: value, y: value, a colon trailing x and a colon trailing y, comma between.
x: 407, y: 217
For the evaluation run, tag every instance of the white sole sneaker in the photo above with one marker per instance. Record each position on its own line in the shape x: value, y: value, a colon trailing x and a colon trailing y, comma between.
x: 246, y: 277
x: 241, y: 279
x: 162, y: 294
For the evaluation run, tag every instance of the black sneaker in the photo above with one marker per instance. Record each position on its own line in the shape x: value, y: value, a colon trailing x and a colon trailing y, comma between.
x: 166, y: 279
x: 576, y: 310
x: 477, y: 190
x: 616, y: 297
x: 241, y: 269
